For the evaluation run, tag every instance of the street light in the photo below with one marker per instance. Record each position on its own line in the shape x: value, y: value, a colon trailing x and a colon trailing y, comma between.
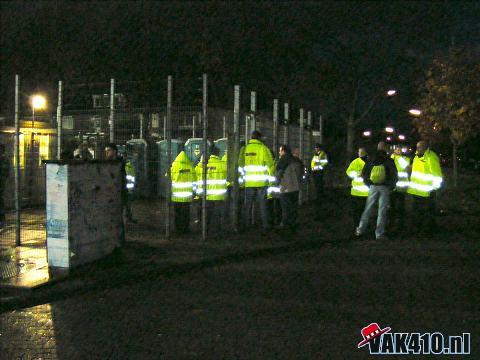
x: 401, y: 137
x: 389, y: 129
x: 391, y: 92
x: 367, y: 133
x: 415, y: 112
x: 38, y: 102
x: 389, y: 138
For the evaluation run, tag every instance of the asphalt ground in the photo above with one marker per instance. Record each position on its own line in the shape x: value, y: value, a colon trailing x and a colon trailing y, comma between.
x: 305, y: 296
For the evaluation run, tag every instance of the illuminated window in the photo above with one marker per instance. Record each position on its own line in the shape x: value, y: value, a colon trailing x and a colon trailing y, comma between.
x: 44, y: 148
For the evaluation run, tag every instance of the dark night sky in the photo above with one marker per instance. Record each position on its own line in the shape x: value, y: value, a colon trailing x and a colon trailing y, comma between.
x: 309, y: 53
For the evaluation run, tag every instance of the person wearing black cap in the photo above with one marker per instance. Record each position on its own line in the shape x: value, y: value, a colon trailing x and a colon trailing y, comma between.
x: 318, y: 164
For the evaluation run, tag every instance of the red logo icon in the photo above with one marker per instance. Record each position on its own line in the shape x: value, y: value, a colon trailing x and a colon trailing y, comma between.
x: 370, y: 332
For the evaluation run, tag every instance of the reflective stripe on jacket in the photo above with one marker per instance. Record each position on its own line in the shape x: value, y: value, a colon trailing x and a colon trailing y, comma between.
x: 354, y: 172
x: 130, y: 175
x: 183, y: 178
x: 257, y: 163
x: 426, y: 174
x: 273, y: 186
x: 216, y: 179
x: 401, y: 163
x: 319, y: 161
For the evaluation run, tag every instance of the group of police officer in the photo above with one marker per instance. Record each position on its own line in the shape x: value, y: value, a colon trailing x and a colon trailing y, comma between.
x: 420, y: 179
x: 256, y: 177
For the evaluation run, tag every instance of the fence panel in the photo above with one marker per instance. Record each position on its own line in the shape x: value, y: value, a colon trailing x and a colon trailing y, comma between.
x: 135, y: 117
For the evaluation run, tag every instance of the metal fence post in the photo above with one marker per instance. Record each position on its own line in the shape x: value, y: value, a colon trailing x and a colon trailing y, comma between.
x: 224, y: 127
x: 309, y: 147
x: 17, y: 163
x: 247, y: 120
x: 205, y: 154
x: 165, y: 127
x: 233, y: 159
x: 275, y: 126
x: 285, y: 129
x: 193, y: 126
x: 112, y: 110
x: 253, y: 108
x: 168, y: 131
x: 59, y: 120
x: 141, y: 118
x: 275, y: 146
x: 302, y: 152
x: 321, y: 130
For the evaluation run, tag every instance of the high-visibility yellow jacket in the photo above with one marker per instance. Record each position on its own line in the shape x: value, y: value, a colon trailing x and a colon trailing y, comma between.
x: 129, y: 175
x: 241, y: 170
x: 183, y: 178
x: 354, y: 172
x: 426, y: 174
x: 319, y: 161
x: 273, y: 186
x: 216, y: 179
x: 401, y: 163
x: 256, y: 162
x: 198, y: 188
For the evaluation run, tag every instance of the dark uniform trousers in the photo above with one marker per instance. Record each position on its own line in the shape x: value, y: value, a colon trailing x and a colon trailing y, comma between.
x: 357, y: 207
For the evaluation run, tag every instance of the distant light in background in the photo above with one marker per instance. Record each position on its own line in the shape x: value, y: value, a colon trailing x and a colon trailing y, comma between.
x: 367, y: 133
x: 389, y: 138
x: 391, y: 92
x: 389, y: 129
x: 415, y: 112
x: 401, y: 137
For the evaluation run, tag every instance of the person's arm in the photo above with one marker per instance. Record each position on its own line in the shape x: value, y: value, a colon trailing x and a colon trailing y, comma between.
x: 324, y: 159
x: 365, y: 174
x: 392, y: 169
x: 268, y: 159
x: 436, y: 170
x: 352, y: 171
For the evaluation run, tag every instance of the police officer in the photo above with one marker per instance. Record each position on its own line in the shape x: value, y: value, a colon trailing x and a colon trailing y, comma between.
x: 359, y: 191
x: 426, y: 178
x: 183, y: 180
x: 216, y: 191
x: 402, y: 163
x: 257, y: 164
x: 128, y: 179
x: 317, y: 166
x: 4, y: 174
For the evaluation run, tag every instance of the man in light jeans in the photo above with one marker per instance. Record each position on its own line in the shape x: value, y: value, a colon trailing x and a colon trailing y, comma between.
x: 379, y: 190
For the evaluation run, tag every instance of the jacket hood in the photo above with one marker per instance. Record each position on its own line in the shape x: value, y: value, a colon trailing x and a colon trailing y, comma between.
x: 183, y: 158
x: 214, y: 157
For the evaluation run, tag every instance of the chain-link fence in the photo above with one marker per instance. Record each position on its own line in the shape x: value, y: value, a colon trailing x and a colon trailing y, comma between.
x: 80, y: 120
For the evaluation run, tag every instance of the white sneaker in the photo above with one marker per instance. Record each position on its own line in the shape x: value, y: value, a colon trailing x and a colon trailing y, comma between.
x: 358, y: 232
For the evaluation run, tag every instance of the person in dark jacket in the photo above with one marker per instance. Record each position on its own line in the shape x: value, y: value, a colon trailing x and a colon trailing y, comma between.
x: 289, y: 171
x: 111, y: 153
x: 380, y: 175
x: 4, y: 174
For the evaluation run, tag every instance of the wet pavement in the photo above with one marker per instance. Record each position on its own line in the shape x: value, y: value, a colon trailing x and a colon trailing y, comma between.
x: 244, y: 296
